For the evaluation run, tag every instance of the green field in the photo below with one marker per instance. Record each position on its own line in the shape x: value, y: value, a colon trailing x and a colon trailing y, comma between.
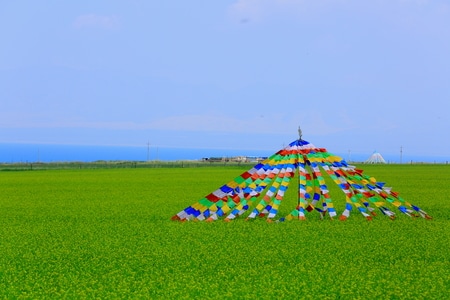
x: 106, y: 233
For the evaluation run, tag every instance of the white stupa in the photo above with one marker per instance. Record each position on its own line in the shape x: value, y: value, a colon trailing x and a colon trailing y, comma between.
x: 375, y: 158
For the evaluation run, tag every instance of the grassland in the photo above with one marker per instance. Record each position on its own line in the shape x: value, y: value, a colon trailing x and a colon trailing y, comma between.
x: 106, y: 233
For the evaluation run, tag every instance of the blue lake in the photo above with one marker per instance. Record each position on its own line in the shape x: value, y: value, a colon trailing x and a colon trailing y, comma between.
x: 12, y: 153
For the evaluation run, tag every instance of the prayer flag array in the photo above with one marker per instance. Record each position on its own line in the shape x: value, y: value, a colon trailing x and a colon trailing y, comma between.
x: 259, y: 191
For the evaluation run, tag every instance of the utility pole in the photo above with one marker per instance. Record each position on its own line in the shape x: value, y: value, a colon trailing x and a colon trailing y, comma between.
x: 401, y: 154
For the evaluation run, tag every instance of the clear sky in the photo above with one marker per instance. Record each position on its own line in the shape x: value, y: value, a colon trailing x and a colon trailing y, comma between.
x: 357, y: 76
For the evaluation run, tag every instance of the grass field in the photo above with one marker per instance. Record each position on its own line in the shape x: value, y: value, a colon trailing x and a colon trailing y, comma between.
x: 107, y: 234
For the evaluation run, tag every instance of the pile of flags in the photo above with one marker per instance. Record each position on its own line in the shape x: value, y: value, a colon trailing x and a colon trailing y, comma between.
x: 259, y: 191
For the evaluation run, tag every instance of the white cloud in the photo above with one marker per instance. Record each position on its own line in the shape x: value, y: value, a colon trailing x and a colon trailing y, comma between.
x: 96, y: 21
x: 208, y: 122
x: 215, y: 123
x: 245, y: 10
x: 260, y: 10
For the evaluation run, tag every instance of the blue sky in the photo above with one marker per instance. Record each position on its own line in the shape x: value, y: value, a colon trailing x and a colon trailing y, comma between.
x: 355, y: 75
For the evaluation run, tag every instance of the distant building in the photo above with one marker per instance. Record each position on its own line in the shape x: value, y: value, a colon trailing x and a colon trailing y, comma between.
x: 240, y: 159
